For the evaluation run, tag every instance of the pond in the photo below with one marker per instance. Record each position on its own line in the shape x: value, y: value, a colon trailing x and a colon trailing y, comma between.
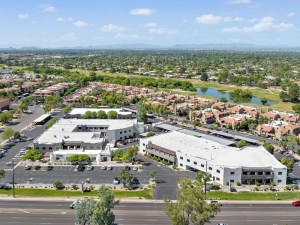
x: 219, y: 94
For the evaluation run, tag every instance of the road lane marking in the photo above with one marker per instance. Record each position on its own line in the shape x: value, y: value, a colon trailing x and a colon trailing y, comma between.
x: 24, y: 211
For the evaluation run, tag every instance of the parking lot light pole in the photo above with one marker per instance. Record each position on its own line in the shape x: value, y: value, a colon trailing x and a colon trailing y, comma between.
x: 13, y: 177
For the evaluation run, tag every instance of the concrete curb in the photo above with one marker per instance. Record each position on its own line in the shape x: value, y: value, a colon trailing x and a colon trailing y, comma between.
x: 136, y: 200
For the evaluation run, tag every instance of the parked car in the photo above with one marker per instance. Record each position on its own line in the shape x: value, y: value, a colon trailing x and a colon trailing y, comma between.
x: 49, y: 168
x: 296, y: 203
x: 27, y: 168
x: 103, y: 167
x: 116, y: 180
x: 109, y: 168
x: 72, y: 205
x: 89, y: 168
x: 37, y: 167
x: 81, y: 168
x: 134, y: 168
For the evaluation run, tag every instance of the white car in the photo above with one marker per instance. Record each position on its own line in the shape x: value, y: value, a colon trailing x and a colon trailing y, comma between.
x: 89, y: 168
x: 135, y: 168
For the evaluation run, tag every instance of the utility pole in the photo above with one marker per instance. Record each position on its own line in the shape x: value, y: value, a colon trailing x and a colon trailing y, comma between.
x: 205, y: 179
x: 13, y: 177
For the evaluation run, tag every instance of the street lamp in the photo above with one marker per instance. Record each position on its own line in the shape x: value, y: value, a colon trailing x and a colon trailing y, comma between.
x: 13, y: 177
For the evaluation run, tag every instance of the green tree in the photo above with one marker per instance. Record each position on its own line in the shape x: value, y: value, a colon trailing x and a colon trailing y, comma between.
x: 125, y: 177
x: 288, y: 162
x: 8, y: 133
x: 241, y: 144
x: 118, y: 155
x: 269, y: 147
x: 191, y: 207
x: 204, y: 77
x: 112, y: 115
x: 17, y: 134
x: 33, y: 155
x: 102, y: 114
x: 103, y: 208
x: 293, y: 92
x: 296, y: 108
x: 78, y: 158
x: 223, y: 99
x: 22, y: 107
x: 91, y: 212
x: 2, y: 173
x: 133, y: 151
x: 84, y: 211
x: 126, y: 157
x: 150, y: 134
x: 264, y: 101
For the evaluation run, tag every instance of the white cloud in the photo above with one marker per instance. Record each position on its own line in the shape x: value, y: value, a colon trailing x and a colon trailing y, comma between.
x: 48, y: 8
x: 265, y: 24
x: 209, y: 19
x: 162, y: 31
x: 291, y: 14
x: 252, y: 20
x: 112, y: 28
x: 233, y: 19
x: 126, y: 36
x: 150, y: 24
x: 213, y: 19
x: 23, y: 16
x: 238, y: 2
x: 60, y: 19
x: 141, y: 12
x: 80, y: 24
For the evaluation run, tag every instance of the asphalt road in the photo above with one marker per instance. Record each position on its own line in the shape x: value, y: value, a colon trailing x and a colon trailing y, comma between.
x: 58, y: 212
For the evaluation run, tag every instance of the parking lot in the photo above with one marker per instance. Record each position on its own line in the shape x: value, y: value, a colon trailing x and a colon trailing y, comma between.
x: 67, y: 175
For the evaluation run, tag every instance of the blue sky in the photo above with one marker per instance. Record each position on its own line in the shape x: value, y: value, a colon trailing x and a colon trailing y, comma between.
x: 58, y: 23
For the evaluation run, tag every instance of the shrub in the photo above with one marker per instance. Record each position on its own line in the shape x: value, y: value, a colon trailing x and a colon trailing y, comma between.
x: 75, y: 187
x: 58, y: 185
x: 257, y: 184
x: 238, y: 183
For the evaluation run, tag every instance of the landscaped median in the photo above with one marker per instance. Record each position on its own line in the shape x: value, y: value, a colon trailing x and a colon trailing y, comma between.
x: 32, y: 192
x: 247, y: 195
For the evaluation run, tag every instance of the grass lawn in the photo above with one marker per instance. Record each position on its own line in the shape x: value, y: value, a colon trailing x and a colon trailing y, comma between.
x: 145, y: 193
x: 247, y: 195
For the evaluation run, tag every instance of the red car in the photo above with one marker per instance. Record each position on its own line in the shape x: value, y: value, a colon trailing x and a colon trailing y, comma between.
x: 296, y: 203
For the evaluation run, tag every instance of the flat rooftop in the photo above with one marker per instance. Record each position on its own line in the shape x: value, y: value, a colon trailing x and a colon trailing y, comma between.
x: 215, y: 153
x: 63, y: 129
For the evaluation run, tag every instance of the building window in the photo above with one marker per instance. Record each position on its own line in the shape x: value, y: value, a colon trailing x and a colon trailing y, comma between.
x: 180, y: 164
x: 129, y: 131
x: 144, y: 144
x: 44, y: 148
x: 209, y: 168
x: 202, y: 165
x: 50, y: 148
x: 231, y: 173
x: 121, y: 132
x: 217, y: 178
x: 231, y: 181
x: 279, y: 173
x: 279, y: 181
x: 195, y: 163
x: 218, y: 171
x: 125, y: 131
x: 181, y: 157
x: 188, y: 160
